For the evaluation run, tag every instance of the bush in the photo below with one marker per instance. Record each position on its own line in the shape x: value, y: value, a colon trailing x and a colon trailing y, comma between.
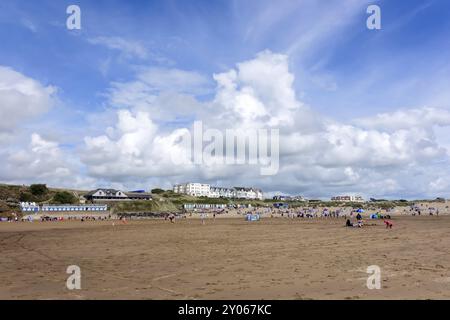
x: 27, y: 197
x: 64, y: 197
x: 157, y: 191
x: 38, y: 189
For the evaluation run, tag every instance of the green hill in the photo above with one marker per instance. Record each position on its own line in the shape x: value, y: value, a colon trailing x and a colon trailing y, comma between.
x: 11, y: 195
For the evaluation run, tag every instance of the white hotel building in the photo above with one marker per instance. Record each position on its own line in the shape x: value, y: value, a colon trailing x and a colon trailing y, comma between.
x: 193, y: 189
x: 205, y: 190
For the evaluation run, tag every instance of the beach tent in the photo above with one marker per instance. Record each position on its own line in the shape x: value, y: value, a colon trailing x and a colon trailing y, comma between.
x: 252, y: 217
x: 374, y: 216
x: 360, y: 210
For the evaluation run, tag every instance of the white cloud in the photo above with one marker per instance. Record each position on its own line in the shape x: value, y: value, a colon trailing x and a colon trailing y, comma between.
x: 132, y: 149
x: 21, y: 98
x: 29, y: 25
x: 395, y: 153
x: 165, y: 79
x: 151, y: 81
x: 259, y: 90
x: 425, y: 117
x: 318, y: 156
x: 129, y: 48
x: 41, y: 161
x: 167, y: 93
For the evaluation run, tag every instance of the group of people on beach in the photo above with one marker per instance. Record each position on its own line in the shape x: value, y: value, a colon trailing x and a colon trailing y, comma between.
x: 418, y: 210
x: 56, y: 218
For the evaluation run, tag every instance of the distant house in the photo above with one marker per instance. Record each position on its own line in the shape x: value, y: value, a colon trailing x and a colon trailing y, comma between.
x: 288, y: 198
x: 247, y: 193
x: 220, y: 192
x: 115, y: 195
x: 347, y: 199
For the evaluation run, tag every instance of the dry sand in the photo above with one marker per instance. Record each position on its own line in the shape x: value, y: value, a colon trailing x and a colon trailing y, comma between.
x: 275, y: 258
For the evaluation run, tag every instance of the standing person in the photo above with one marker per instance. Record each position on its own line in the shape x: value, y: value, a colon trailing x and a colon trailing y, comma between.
x: 202, y: 217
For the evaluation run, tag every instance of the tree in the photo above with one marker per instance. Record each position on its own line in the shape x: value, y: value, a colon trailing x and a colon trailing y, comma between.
x: 27, y: 197
x: 157, y: 191
x: 64, y: 197
x: 38, y: 189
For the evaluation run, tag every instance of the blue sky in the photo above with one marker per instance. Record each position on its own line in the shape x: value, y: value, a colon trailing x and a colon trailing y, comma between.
x: 342, y: 70
x: 210, y: 36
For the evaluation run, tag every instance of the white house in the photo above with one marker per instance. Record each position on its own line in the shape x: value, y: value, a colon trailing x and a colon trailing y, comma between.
x: 220, y: 192
x: 347, y: 199
x: 115, y: 195
x: 288, y: 198
x: 247, y: 193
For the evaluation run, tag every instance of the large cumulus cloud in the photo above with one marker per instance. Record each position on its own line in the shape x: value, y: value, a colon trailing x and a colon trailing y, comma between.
x: 318, y: 156
x: 21, y: 99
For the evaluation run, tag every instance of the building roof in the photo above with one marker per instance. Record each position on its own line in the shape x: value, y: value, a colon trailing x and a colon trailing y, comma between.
x: 107, y: 191
x: 247, y: 189
x: 113, y: 192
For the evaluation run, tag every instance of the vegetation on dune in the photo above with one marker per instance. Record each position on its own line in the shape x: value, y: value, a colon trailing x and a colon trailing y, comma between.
x: 144, y: 206
x: 33, y: 193
x: 64, y: 197
x: 5, y: 209
x: 26, y: 196
x: 38, y: 190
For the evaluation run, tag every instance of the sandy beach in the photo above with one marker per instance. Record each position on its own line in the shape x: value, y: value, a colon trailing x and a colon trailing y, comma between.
x: 275, y: 258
